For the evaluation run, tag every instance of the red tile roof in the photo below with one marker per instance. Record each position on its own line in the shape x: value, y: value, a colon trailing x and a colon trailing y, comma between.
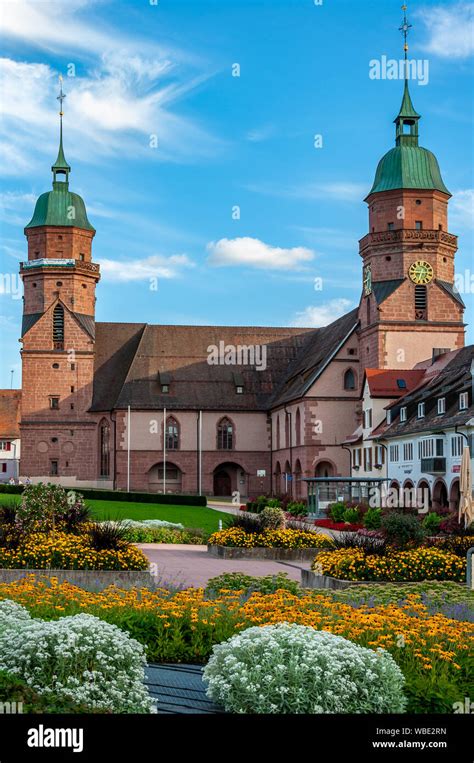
x: 384, y: 382
x: 10, y: 400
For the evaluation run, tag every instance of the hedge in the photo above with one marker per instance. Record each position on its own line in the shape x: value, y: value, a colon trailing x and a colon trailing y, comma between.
x: 118, y: 495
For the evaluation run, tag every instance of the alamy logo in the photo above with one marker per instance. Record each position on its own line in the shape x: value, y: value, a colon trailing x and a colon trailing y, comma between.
x: 391, y: 68
x: 237, y: 355
x: 46, y: 737
x: 11, y: 708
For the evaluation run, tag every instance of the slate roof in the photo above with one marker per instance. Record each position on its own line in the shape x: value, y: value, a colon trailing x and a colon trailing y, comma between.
x: 383, y: 289
x: 131, y: 360
x: 29, y: 321
x: 179, y: 689
x: 86, y: 321
x: 10, y: 403
x: 447, y: 377
x: 452, y: 291
x: 317, y: 352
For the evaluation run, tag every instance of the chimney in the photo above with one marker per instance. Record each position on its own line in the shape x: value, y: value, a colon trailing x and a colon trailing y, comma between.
x: 437, y: 351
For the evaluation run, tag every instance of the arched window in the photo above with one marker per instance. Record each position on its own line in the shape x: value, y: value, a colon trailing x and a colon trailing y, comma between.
x: 349, y: 379
x: 104, y: 447
x: 287, y: 431
x: 278, y: 433
x: 225, y: 435
x: 172, y: 434
x: 298, y: 426
x: 58, y: 327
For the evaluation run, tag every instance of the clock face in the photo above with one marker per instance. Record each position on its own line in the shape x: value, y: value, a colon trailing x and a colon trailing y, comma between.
x: 367, y: 280
x: 420, y: 272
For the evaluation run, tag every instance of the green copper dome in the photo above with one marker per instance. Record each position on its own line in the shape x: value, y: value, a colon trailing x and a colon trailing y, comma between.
x: 408, y: 165
x: 60, y: 207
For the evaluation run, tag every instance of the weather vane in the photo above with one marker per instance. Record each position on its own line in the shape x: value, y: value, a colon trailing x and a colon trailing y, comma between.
x: 404, y: 29
x: 61, y: 96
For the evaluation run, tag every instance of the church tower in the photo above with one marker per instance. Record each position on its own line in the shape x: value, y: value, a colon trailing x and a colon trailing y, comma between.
x: 59, y: 278
x: 409, y: 305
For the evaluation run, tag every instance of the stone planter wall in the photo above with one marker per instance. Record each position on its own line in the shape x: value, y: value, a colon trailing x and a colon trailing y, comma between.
x: 310, y: 579
x: 90, y: 580
x: 284, y: 554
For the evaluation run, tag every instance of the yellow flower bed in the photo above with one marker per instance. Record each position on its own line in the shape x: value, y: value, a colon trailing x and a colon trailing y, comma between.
x: 189, y: 624
x: 417, y: 564
x: 70, y: 552
x: 236, y: 536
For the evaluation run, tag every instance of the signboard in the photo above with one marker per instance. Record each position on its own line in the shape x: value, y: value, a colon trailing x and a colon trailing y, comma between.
x: 48, y: 262
x: 456, y: 468
x: 261, y: 473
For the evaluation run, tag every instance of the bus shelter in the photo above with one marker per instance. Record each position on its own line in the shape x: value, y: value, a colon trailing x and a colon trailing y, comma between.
x: 325, y: 490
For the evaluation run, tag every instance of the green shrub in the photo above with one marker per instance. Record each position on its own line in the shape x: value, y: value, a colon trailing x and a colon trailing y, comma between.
x: 431, y: 522
x: 121, y: 495
x: 336, y: 511
x: 45, y: 506
x: 402, y: 530
x: 297, y: 508
x: 272, y: 518
x: 238, y: 581
x: 351, y: 515
x: 372, y: 519
x: 273, y: 503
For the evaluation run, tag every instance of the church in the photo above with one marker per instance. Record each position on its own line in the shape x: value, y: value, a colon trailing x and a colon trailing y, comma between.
x: 136, y: 406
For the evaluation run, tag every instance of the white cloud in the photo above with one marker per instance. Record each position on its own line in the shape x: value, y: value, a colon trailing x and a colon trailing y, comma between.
x: 252, y: 252
x: 462, y: 208
x: 156, y: 266
x: 322, y: 315
x: 450, y: 30
x: 121, y: 95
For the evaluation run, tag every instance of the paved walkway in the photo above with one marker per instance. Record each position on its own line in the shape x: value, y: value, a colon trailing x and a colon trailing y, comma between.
x: 185, y: 566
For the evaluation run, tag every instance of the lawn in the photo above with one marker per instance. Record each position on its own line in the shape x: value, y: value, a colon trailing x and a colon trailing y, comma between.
x: 189, y: 516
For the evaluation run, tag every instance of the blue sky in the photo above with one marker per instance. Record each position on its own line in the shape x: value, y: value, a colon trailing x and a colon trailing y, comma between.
x: 147, y: 74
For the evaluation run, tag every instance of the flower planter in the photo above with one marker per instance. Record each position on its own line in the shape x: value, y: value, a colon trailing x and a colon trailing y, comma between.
x: 276, y: 553
x: 310, y: 579
x: 90, y: 580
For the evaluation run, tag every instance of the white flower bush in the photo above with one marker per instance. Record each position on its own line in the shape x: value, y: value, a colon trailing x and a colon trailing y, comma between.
x: 12, y: 615
x: 290, y: 668
x: 140, y: 524
x: 80, y: 657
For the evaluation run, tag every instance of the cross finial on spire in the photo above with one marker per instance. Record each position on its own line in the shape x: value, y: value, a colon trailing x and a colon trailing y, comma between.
x: 404, y: 29
x: 61, y: 96
x: 60, y: 166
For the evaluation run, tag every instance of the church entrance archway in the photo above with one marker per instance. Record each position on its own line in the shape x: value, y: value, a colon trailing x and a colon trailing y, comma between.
x: 228, y: 478
x: 222, y: 483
